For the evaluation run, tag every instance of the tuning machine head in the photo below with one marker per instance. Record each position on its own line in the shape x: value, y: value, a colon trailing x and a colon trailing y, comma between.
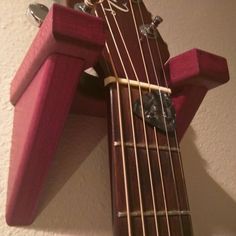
x: 155, y: 22
x: 149, y: 30
x: 36, y: 13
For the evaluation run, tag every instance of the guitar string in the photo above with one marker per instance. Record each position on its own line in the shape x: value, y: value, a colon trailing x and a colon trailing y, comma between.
x: 168, y: 140
x: 182, y: 171
x: 155, y: 133
x: 176, y: 137
x: 144, y: 124
x: 131, y: 106
x: 183, y: 176
x: 141, y: 99
x: 162, y: 105
x: 121, y: 133
x: 148, y: 81
x: 177, y: 144
x: 136, y: 158
x: 134, y: 139
x: 137, y: 78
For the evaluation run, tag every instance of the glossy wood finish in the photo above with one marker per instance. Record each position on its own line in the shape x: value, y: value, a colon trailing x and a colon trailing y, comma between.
x: 174, y: 194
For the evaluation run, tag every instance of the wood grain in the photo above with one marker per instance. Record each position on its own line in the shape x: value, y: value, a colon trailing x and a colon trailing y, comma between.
x: 42, y: 92
x: 173, y: 192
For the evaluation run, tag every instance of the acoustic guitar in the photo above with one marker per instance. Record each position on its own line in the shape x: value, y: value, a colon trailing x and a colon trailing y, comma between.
x: 150, y: 102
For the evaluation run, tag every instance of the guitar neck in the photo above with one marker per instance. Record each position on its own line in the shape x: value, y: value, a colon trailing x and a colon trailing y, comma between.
x: 148, y: 187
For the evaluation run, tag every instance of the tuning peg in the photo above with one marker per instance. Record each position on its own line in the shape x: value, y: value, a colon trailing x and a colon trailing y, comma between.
x: 155, y: 22
x: 36, y: 13
x: 150, y: 30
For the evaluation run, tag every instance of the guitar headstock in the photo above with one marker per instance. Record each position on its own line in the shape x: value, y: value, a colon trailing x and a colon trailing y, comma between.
x: 135, y: 49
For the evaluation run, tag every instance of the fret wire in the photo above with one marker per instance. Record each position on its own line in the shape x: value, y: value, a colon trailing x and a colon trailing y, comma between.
x: 139, y: 145
x: 170, y: 155
x: 159, y: 213
x: 121, y: 128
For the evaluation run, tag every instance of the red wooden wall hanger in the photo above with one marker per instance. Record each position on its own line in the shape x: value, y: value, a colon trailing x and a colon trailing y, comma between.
x: 42, y: 91
x: 47, y: 87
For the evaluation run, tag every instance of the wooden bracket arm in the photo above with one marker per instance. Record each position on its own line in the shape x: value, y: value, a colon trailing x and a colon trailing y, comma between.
x: 42, y: 91
x: 191, y: 75
x: 45, y: 85
x: 64, y: 31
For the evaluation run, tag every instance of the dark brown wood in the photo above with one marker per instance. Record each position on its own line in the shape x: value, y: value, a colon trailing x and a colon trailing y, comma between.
x: 175, y: 195
x: 124, y: 47
x: 127, y: 27
x: 175, y: 192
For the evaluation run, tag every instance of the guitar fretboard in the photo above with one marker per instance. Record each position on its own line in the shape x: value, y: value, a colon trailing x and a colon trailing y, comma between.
x: 148, y: 187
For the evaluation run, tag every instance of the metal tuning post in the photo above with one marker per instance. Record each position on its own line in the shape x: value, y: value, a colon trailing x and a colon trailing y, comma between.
x: 150, y: 30
x: 36, y: 13
x: 87, y: 6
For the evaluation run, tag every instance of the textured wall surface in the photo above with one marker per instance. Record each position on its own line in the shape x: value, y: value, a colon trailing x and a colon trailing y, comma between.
x: 76, y: 200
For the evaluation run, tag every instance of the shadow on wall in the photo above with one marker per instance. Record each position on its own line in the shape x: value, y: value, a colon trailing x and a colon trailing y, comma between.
x: 77, y: 195
x: 213, y: 210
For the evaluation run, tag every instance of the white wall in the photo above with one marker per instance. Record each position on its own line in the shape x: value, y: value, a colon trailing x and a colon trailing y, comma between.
x: 77, y: 198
